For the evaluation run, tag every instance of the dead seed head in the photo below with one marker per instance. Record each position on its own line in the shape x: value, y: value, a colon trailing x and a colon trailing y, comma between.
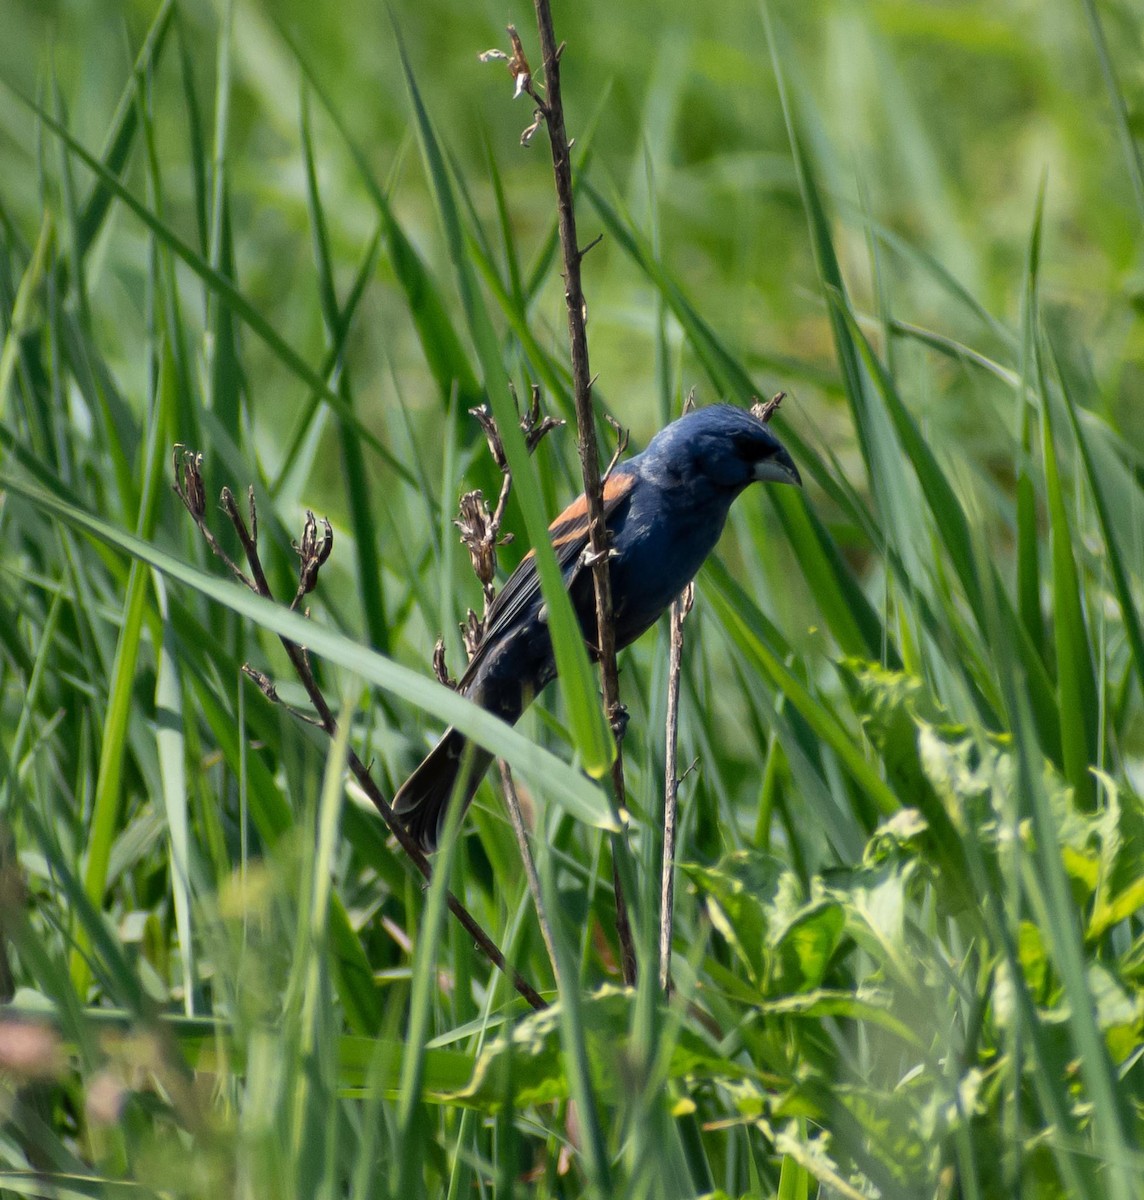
x: 313, y: 551
x: 518, y: 66
x: 764, y: 412
x: 189, y: 480
x: 440, y: 668
x: 529, y: 131
x: 263, y: 682
x: 472, y: 630
x: 488, y: 424
x: 477, y: 533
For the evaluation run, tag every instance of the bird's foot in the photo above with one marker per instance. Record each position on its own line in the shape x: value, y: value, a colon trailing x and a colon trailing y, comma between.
x: 589, y: 558
x: 618, y: 718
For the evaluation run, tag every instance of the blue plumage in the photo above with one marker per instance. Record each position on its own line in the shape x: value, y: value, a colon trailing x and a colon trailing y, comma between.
x: 665, y: 511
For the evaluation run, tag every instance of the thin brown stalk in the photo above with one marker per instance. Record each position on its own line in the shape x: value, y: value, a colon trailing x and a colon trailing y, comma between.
x: 679, y: 611
x: 552, y: 109
x: 480, y: 533
x: 188, y: 486
x: 516, y: 819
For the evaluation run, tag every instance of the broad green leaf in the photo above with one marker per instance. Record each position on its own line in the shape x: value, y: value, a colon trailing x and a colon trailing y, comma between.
x: 534, y: 1050
x: 1120, y: 884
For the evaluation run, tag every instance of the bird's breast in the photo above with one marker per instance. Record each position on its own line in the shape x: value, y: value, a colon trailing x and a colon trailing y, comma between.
x: 658, y: 550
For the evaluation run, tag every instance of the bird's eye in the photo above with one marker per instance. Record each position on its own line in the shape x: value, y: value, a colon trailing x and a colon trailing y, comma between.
x: 751, y: 449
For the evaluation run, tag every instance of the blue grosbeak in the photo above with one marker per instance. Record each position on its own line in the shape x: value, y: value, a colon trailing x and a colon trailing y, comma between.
x: 665, y: 509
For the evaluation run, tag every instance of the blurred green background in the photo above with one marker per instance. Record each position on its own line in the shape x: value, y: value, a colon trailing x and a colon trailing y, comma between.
x: 934, y: 120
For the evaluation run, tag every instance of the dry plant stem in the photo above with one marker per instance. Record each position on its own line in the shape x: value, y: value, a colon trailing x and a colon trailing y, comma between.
x: 516, y: 818
x: 679, y: 611
x: 553, y: 110
x: 300, y: 662
x: 481, y: 539
x: 480, y: 533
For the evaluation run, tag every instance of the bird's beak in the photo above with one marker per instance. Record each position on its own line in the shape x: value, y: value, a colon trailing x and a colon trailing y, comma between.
x: 779, y: 468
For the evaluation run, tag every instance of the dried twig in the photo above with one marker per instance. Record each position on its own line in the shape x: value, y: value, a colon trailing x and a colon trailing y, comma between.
x: 312, y: 552
x: 516, y: 819
x: 440, y: 669
x: 189, y: 488
x: 552, y: 109
x: 518, y: 66
x: 621, y: 446
x: 764, y: 411
x: 679, y: 611
x: 472, y: 630
x: 480, y: 529
x: 533, y: 425
x: 479, y: 532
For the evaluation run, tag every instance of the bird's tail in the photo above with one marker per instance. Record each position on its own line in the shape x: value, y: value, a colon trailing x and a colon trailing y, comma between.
x: 423, y: 799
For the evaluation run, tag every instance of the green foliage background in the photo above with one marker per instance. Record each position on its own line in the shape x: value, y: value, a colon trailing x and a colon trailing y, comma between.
x: 909, y: 954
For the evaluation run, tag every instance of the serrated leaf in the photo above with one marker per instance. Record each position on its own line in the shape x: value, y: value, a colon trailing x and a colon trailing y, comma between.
x: 535, y: 1052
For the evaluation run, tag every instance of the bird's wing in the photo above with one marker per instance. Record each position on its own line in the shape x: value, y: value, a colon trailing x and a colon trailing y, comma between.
x: 569, y: 537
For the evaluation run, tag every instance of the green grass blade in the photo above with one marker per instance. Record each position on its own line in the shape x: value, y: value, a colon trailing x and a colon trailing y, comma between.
x: 369, y: 570
x: 575, y: 1058
x: 546, y: 772
x: 948, y: 515
x: 439, y: 340
x: 1129, y: 609
x: 223, y: 289
x: 736, y: 620
x: 1028, y: 535
x: 25, y: 310
x: 1120, y: 113
x: 1076, y: 678
x: 508, y: 237
x: 105, y: 809
x: 123, y: 127
x: 172, y: 751
x: 409, y: 1138
x: 314, y: 1124
x: 196, y: 149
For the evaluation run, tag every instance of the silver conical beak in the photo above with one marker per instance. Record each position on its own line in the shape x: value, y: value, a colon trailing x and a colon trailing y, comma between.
x: 779, y: 468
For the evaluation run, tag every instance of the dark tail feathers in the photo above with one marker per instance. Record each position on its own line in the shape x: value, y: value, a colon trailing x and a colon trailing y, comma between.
x: 422, y: 800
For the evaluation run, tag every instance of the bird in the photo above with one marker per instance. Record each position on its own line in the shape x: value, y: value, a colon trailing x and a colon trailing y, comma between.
x: 664, y: 510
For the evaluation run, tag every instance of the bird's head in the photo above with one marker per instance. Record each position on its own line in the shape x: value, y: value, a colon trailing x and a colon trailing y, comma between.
x: 721, y: 448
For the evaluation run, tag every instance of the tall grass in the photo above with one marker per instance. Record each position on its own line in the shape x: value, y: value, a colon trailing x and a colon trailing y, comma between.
x: 909, y: 955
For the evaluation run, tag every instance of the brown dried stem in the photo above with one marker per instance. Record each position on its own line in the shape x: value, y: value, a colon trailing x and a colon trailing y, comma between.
x: 516, y: 819
x: 764, y: 411
x: 552, y: 109
x: 679, y: 611
x: 479, y: 533
x: 188, y: 487
x: 621, y: 447
x: 480, y: 529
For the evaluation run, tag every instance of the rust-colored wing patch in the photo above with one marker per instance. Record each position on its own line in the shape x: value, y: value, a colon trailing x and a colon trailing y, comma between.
x: 569, y: 534
x: 572, y: 524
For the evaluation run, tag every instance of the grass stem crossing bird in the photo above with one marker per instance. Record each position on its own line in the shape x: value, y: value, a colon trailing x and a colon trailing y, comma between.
x: 665, y: 509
